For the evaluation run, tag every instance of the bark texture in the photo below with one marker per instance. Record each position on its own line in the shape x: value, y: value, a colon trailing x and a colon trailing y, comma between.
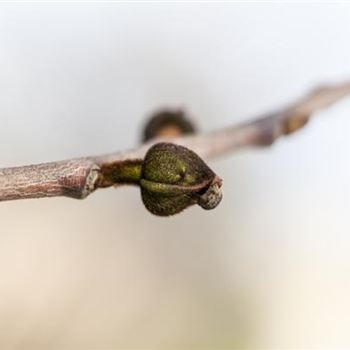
x: 77, y: 178
x: 72, y: 178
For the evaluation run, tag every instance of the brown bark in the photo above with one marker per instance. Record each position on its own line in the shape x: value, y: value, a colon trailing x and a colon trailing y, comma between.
x: 72, y: 178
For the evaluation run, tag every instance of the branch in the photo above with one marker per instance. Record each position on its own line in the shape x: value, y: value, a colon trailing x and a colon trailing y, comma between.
x: 262, y: 131
x: 77, y: 178
x: 71, y: 178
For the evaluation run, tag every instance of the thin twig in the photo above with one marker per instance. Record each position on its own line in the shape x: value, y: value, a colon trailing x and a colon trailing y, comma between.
x: 77, y: 178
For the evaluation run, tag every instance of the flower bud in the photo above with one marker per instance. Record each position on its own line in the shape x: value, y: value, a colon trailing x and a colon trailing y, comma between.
x: 174, y: 177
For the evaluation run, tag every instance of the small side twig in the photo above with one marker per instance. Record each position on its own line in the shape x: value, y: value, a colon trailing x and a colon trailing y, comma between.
x: 77, y: 178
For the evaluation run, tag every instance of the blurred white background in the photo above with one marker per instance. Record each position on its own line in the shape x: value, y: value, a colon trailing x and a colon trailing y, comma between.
x: 270, y: 267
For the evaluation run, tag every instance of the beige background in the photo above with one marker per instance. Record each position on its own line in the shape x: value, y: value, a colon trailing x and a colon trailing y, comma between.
x: 270, y: 267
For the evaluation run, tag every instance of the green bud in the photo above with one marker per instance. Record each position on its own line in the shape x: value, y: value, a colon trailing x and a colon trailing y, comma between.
x: 174, y: 177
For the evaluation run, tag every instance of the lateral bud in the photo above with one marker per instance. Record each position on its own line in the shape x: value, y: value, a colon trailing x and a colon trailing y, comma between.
x: 174, y: 178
